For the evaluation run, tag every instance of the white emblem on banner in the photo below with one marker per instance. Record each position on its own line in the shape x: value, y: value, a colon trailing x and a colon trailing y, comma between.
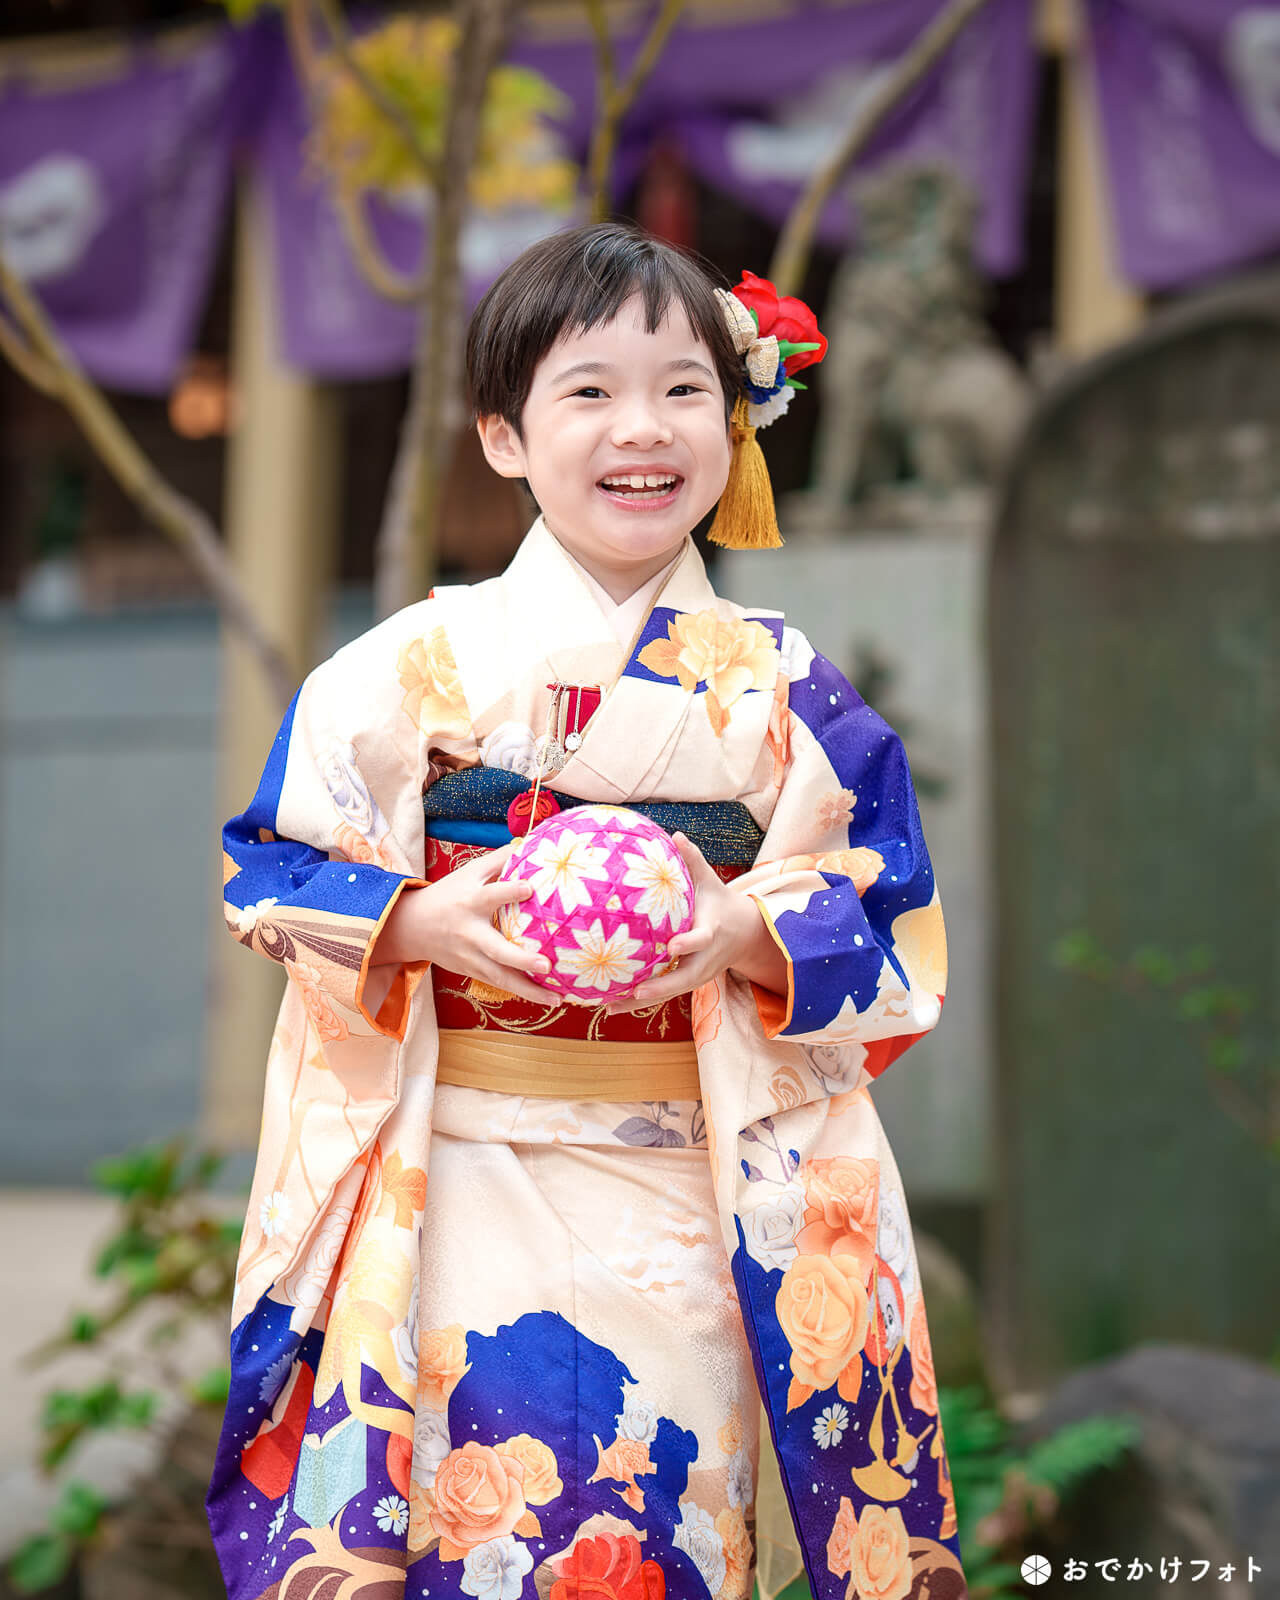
x: 48, y: 216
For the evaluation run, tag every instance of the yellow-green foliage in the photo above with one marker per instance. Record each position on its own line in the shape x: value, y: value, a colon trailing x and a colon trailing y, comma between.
x: 410, y: 59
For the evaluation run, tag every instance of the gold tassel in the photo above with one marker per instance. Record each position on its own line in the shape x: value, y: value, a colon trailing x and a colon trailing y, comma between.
x: 746, y: 518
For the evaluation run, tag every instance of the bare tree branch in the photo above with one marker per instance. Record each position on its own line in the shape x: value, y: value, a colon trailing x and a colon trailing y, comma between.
x: 407, y: 539
x: 25, y: 362
x: 173, y: 513
x: 387, y: 280
x: 615, y: 99
x: 791, y: 256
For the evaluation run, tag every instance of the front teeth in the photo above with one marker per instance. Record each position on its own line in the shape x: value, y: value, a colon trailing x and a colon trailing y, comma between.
x: 635, y: 480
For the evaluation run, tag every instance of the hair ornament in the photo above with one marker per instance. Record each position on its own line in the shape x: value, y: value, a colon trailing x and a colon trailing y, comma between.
x: 776, y: 335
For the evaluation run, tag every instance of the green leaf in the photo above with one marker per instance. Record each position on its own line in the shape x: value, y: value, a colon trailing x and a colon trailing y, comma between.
x: 211, y: 1388
x: 796, y: 384
x: 787, y: 348
x: 1226, y: 1053
x: 1156, y: 965
x: 755, y: 317
x: 84, y: 1328
x: 79, y: 1510
x: 1080, y: 1448
x: 40, y: 1562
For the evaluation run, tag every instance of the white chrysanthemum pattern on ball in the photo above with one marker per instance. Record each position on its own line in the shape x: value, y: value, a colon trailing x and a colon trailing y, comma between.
x: 610, y: 891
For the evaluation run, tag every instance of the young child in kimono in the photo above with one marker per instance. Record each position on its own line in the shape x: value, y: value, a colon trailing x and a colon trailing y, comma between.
x: 521, y: 1279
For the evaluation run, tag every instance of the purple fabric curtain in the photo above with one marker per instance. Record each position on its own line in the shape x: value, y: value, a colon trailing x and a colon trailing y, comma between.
x: 1189, y: 96
x: 113, y: 193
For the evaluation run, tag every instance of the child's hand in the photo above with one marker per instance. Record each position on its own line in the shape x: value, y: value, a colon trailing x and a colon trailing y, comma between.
x: 450, y: 922
x: 726, y: 927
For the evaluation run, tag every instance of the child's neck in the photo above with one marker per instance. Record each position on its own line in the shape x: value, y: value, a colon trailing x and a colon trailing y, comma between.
x: 620, y: 583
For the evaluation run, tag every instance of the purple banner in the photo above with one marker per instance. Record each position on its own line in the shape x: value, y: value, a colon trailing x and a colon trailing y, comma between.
x: 1189, y: 95
x: 755, y: 105
x: 113, y: 187
x: 759, y: 103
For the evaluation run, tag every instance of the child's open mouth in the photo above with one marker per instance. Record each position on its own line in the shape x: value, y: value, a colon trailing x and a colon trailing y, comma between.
x: 635, y: 490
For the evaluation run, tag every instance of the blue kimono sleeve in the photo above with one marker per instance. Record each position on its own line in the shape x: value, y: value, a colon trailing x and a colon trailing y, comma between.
x: 334, y: 833
x: 844, y: 882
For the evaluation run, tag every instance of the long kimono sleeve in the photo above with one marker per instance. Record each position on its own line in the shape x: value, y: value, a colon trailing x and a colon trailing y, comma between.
x: 334, y: 833
x: 844, y: 880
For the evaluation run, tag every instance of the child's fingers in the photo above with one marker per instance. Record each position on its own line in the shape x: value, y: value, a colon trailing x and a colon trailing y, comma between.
x: 510, y: 889
x: 507, y: 953
x: 684, y: 944
x: 504, y: 977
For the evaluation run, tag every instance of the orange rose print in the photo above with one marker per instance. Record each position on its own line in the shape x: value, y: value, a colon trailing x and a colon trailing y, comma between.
x: 823, y: 1310
x: 442, y: 1361
x: 624, y: 1460
x: 862, y: 866
x: 542, y: 1481
x: 841, y: 1203
x: 328, y: 1024
x: 880, y: 1555
x: 355, y: 847
x: 433, y: 689
x: 731, y: 1525
x: 840, y: 1543
x: 786, y: 1089
x: 729, y: 654
x: 479, y: 1496
x: 924, y: 1381
x: 422, y: 1502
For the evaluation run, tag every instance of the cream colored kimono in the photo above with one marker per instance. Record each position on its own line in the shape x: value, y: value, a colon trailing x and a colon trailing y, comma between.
x: 502, y: 1346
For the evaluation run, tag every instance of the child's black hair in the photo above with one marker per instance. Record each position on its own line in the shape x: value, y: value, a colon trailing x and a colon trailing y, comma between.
x: 576, y: 279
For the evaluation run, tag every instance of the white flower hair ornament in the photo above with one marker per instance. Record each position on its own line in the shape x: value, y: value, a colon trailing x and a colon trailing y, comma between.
x: 776, y: 335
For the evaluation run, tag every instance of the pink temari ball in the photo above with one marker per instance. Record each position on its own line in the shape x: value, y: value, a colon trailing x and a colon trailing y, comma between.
x: 610, y: 890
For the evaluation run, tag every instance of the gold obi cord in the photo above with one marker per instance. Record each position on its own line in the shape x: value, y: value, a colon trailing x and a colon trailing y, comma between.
x: 568, y: 1069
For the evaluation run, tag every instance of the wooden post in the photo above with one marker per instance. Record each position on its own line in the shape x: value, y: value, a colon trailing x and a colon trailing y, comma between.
x: 1094, y: 307
x: 281, y: 520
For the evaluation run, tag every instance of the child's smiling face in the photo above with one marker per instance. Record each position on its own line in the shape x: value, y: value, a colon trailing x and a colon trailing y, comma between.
x: 620, y: 401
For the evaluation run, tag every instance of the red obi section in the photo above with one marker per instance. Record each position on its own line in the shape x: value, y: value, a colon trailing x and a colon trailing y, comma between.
x: 457, y: 1007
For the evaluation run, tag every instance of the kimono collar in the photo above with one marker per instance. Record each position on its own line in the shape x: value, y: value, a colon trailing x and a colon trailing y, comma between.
x: 558, y: 605
x: 624, y: 615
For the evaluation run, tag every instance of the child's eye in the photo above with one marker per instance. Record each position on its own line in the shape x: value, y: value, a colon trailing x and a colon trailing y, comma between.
x: 590, y: 389
x: 693, y: 388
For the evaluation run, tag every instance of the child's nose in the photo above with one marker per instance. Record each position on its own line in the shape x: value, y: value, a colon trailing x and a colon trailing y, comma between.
x: 640, y: 424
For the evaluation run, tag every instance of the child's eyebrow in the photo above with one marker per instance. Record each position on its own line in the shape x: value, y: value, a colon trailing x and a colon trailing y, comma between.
x: 680, y: 364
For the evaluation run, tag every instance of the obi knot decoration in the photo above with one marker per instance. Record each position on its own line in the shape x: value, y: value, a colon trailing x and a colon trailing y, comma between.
x: 523, y: 814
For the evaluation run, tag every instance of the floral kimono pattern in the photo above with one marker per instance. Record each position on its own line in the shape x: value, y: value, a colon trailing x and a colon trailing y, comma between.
x: 498, y: 1346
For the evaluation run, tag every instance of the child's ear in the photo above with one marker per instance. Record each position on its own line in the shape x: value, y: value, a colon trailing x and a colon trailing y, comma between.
x: 501, y: 445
